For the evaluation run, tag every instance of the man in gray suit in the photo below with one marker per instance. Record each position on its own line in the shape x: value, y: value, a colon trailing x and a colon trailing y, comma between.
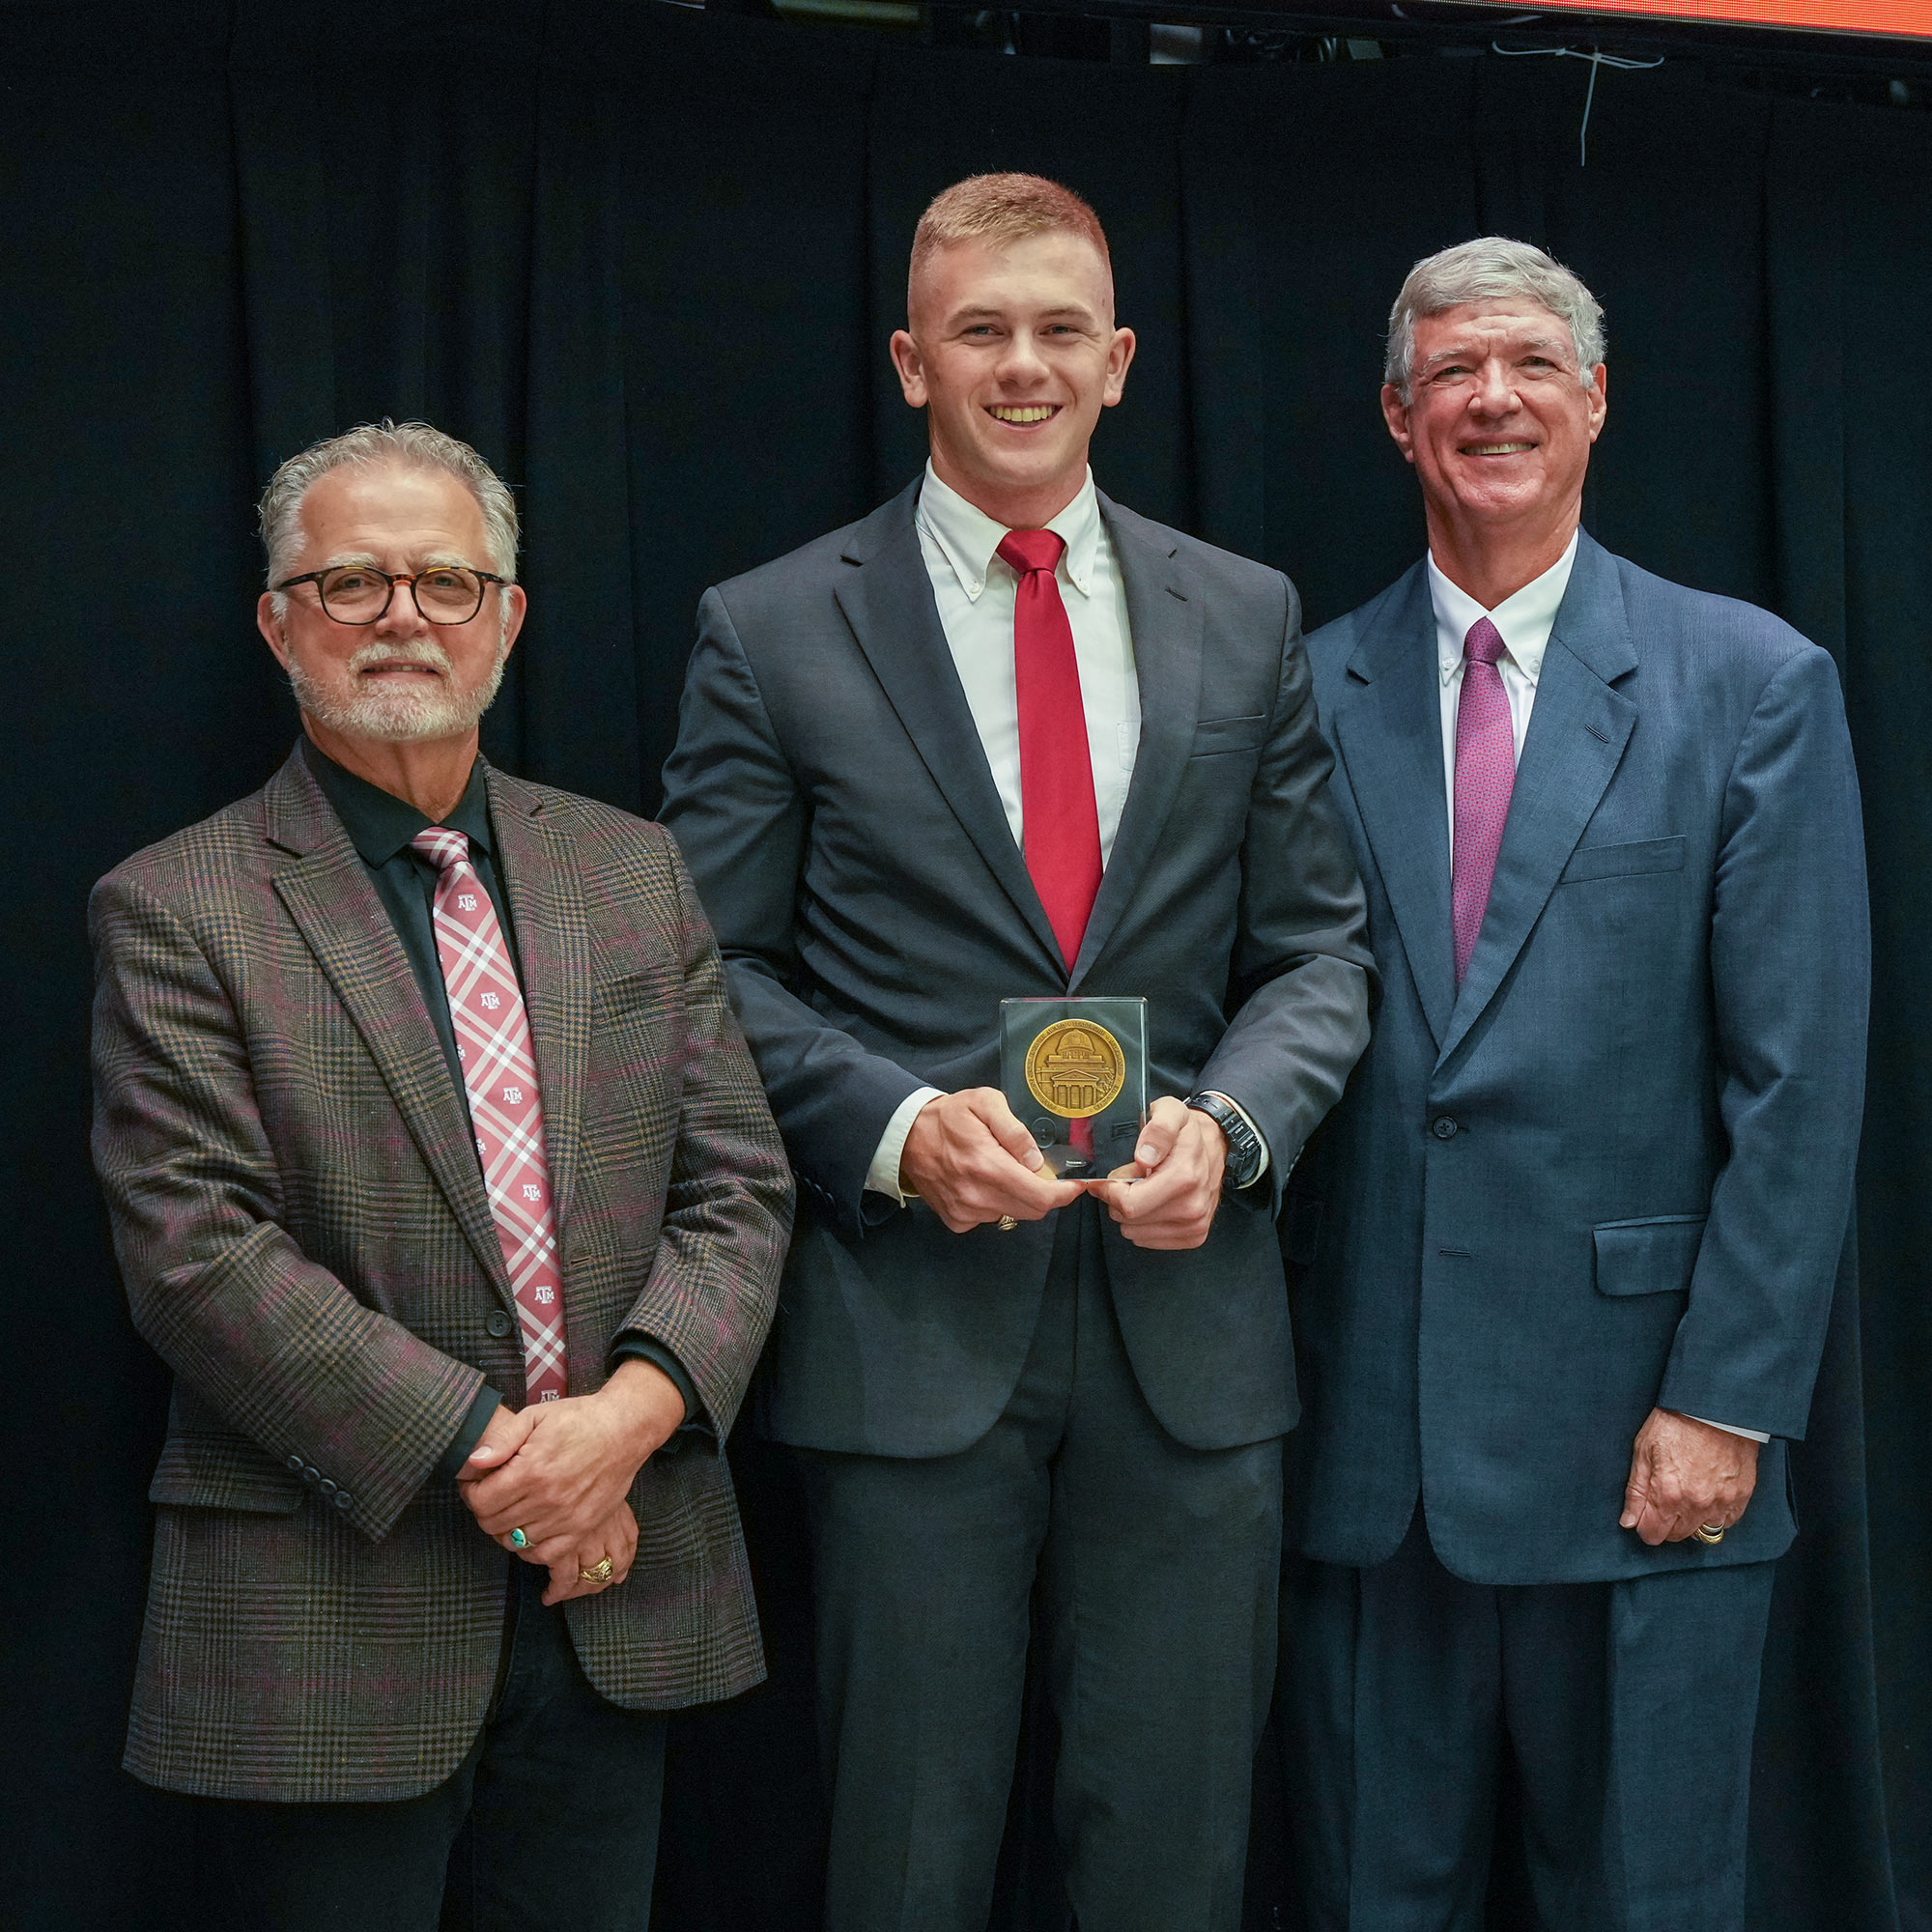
x: 1564, y: 1253
x: 993, y: 1386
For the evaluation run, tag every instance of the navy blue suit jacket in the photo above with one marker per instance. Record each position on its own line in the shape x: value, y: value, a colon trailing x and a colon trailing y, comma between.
x: 837, y: 813
x: 1614, y: 1170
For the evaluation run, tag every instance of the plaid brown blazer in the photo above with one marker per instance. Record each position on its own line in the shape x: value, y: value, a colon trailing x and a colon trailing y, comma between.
x: 302, y: 1224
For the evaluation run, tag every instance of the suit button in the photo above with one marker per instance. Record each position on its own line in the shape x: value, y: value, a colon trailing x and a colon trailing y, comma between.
x: 498, y: 1322
x: 296, y: 1464
x: 324, y: 1487
x: 1443, y: 1127
x: 343, y: 1500
x: 311, y: 1476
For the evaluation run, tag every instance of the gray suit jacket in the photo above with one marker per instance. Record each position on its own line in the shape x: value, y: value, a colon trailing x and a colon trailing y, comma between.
x: 837, y: 811
x: 1615, y: 1170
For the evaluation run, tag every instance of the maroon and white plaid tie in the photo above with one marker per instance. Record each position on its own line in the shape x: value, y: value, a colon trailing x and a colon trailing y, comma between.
x: 1485, y: 778
x: 499, y: 1070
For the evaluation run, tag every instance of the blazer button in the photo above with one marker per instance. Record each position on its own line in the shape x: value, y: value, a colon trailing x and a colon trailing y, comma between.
x: 496, y: 1323
x: 311, y: 1476
x: 296, y: 1464
x: 343, y: 1500
x: 1443, y: 1127
x: 324, y: 1487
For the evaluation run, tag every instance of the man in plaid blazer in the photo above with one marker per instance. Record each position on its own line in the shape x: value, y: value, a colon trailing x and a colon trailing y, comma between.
x: 314, y: 1201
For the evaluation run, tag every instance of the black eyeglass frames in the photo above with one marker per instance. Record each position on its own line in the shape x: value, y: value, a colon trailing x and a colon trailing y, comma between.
x: 359, y: 593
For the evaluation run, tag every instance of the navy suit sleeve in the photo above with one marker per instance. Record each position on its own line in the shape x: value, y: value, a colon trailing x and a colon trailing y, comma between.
x: 1790, y: 978
x: 735, y: 806
x: 1302, y: 976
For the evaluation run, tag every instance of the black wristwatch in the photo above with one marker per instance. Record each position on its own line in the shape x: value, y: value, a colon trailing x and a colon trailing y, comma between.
x: 1245, y: 1153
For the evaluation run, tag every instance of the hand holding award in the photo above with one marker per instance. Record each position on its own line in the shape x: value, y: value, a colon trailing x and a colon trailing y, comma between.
x: 1167, y: 1195
x: 971, y: 1160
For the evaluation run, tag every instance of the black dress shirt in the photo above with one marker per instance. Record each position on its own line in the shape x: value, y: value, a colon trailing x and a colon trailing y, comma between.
x: 381, y: 826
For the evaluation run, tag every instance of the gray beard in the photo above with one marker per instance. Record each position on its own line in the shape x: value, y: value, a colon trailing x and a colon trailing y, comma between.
x: 398, y: 716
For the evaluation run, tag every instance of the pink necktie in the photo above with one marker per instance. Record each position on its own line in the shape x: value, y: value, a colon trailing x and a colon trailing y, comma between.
x: 493, y: 1041
x: 1485, y: 777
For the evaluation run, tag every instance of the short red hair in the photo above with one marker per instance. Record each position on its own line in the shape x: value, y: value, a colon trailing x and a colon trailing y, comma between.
x: 1001, y: 210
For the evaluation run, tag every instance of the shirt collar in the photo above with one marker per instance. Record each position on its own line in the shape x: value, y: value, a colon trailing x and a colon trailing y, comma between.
x: 380, y: 824
x: 1524, y: 619
x: 968, y: 538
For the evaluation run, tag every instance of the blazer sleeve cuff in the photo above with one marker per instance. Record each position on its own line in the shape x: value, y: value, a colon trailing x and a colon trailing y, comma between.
x: 883, y: 1175
x: 488, y: 1401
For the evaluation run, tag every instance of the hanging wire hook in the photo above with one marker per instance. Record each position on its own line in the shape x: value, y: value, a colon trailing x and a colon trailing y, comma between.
x: 1597, y: 59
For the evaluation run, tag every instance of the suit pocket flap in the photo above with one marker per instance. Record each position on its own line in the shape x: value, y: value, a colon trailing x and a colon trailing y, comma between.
x: 1227, y: 734
x: 222, y: 1473
x: 1615, y: 861
x: 1649, y: 1257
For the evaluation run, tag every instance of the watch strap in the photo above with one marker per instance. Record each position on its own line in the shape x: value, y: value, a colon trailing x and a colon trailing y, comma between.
x: 1244, y: 1145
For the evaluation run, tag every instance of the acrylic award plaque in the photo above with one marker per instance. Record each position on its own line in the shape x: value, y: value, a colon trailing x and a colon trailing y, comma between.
x: 1067, y: 1062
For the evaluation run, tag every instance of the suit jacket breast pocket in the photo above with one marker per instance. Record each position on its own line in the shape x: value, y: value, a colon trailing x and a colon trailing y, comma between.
x: 1621, y: 862
x: 1214, y: 736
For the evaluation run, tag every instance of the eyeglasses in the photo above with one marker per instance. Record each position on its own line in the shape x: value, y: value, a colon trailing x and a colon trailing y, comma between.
x: 359, y: 593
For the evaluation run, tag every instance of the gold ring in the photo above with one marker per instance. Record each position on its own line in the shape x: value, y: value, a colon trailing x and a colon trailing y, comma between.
x: 1709, y: 1532
x: 1007, y: 1224
x: 599, y: 1573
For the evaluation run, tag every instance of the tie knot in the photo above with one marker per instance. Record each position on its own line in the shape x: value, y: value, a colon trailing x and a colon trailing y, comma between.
x: 1485, y: 643
x: 441, y: 847
x: 1032, y: 550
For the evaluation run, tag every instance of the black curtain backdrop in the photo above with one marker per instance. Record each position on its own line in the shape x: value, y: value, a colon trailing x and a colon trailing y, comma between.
x: 646, y: 260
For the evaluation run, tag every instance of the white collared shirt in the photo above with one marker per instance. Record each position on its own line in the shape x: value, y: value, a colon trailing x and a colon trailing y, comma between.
x: 1524, y: 620
x: 975, y: 592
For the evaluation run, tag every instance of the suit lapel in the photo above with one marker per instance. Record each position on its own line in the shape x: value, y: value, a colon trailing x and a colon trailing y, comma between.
x: 887, y: 602
x: 1577, y: 730
x: 1164, y: 619
x: 1388, y: 727
x: 546, y: 898
x: 328, y: 892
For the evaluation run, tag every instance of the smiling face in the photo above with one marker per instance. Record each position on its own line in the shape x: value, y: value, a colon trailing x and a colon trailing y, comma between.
x: 1498, y: 424
x: 400, y: 680
x: 1013, y: 353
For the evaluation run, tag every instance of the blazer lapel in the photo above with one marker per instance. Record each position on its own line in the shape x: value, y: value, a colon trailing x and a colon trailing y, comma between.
x: 553, y: 940
x: 1388, y: 728
x: 327, y: 891
x: 887, y: 602
x: 1577, y: 730
x: 1164, y: 619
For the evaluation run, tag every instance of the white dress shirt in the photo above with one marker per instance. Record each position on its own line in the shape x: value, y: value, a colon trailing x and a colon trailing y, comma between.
x: 975, y: 590
x: 1525, y: 621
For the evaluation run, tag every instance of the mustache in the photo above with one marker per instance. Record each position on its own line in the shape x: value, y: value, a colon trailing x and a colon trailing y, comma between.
x: 425, y: 651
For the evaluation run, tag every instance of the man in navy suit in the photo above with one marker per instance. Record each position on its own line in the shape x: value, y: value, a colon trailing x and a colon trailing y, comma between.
x: 1563, y: 1255
x: 996, y: 1390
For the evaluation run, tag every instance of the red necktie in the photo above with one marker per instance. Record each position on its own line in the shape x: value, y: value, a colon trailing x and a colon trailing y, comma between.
x: 1485, y: 778
x: 1059, y: 820
x: 499, y: 1073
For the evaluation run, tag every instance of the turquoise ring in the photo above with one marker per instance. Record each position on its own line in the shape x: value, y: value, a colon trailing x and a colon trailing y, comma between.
x: 517, y: 1540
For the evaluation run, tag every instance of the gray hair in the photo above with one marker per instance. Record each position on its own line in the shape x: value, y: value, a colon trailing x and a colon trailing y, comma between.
x: 1483, y: 270
x: 416, y: 446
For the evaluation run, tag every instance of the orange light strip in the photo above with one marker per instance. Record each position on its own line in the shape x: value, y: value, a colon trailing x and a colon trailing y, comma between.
x: 1895, y: 19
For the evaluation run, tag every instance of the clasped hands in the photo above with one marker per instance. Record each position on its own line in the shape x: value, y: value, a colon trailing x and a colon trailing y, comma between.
x: 972, y: 1160
x: 561, y: 1472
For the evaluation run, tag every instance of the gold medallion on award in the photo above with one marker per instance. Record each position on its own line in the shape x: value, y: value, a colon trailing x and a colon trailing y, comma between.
x: 1063, y: 1061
